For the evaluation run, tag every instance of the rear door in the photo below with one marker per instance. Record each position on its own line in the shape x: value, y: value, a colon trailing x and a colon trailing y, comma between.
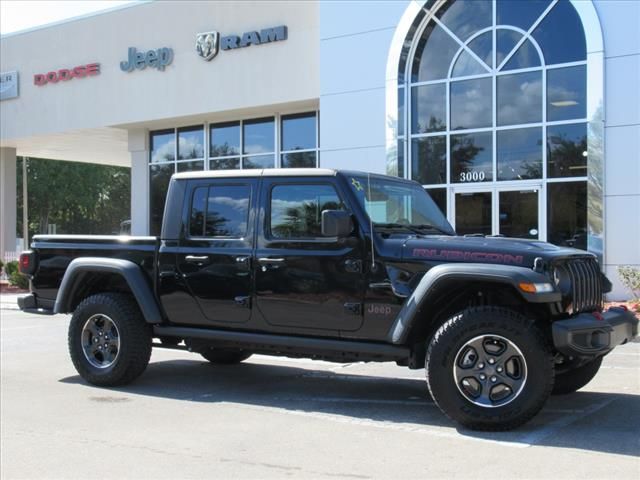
x: 214, y: 255
x: 305, y: 281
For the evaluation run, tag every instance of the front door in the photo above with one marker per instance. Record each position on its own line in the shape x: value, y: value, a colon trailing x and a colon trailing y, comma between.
x: 509, y: 211
x: 305, y: 281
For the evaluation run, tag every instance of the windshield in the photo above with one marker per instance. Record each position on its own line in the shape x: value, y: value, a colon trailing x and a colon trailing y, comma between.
x: 402, y: 205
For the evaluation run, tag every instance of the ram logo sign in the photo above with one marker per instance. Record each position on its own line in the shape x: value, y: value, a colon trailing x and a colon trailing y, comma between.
x: 208, y: 43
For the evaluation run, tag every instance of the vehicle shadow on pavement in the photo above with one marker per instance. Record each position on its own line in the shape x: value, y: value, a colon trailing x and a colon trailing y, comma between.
x: 602, y: 422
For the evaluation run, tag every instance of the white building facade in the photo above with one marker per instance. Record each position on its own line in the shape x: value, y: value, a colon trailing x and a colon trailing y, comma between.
x: 519, y: 118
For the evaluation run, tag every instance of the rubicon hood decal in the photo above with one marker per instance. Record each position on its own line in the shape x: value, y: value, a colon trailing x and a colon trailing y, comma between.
x: 467, y: 256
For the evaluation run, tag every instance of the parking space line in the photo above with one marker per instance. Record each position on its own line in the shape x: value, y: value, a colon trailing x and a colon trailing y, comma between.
x: 551, y: 428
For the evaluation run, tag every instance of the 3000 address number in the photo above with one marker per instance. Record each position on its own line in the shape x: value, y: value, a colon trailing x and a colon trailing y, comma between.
x: 472, y: 176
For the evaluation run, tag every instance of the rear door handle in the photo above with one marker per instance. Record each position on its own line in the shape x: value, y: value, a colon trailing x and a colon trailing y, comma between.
x: 197, y: 259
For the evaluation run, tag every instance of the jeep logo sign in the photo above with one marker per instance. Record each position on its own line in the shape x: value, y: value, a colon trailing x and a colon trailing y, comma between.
x: 207, y: 43
x: 157, y: 59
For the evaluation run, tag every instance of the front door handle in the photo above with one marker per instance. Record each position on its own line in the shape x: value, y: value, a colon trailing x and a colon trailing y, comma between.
x: 270, y: 261
x: 197, y: 259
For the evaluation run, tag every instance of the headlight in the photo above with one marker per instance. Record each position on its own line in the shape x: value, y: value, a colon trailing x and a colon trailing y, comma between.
x: 562, y: 279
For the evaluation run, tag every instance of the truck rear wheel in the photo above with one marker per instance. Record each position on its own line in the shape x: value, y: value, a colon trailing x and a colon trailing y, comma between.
x: 489, y: 368
x: 225, y: 357
x: 109, y: 341
x: 573, y: 379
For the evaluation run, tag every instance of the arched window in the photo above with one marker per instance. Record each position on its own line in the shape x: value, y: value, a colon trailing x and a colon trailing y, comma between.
x: 496, y: 124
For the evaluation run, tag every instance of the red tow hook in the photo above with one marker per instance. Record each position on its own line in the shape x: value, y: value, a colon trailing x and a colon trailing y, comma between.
x: 598, y: 316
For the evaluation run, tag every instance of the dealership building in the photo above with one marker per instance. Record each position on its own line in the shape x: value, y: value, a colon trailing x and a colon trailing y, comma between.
x: 520, y: 118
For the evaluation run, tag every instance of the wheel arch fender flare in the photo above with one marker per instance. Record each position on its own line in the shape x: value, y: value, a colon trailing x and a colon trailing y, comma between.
x: 441, y: 275
x: 129, y: 271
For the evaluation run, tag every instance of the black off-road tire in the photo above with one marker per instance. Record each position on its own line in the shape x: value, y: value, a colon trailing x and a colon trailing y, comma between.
x: 484, y: 322
x: 225, y: 357
x: 134, y: 335
x: 574, y: 379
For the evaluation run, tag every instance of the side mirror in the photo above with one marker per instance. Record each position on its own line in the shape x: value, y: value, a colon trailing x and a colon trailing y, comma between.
x: 336, y: 223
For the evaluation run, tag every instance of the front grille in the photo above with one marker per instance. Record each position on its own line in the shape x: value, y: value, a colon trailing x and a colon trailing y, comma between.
x: 586, y: 284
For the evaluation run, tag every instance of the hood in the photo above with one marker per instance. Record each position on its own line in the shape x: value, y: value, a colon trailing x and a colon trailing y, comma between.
x: 496, y: 250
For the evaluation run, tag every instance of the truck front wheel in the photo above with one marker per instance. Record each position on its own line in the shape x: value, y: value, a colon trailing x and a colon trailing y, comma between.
x: 489, y: 368
x: 109, y: 341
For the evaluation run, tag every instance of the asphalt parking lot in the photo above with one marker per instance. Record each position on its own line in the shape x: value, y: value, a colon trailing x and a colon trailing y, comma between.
x: 287, y: 418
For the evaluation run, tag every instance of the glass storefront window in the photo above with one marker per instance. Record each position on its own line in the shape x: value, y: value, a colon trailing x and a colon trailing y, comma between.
x: 519, y: 153
x: 567, y: 150
x: 231, y: 145
x: 465, y: 18
x: 433, y: 54
x: 519, y: 214
x: 190, y: 166
x: 471, y: 102
x: 500, y: 65
x: 299, y: 160
x: 471, y: 157
x: 258, y: 136
x: 258, y: 161
x: 567, y: 214
x: 429, y: 108
x: 561, y: 36
x: 519, y: 98
x: 429, y: 160
x: 518, y: 13
x: 224, y: 163
x: 224, y: 139
x: 299, y: 132
x: 525, y: 57
x: 190, y: 143
x: 439, y: 196
x: 473, y: 213
x: 567, y: 93
x: 163, y: 146
x: 482, y: 46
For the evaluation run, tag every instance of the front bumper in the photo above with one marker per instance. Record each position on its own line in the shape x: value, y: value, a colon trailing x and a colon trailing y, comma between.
x: 594, y: 334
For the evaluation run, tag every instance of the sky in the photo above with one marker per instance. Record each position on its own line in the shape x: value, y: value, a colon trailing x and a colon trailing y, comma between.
x: 16, y: 15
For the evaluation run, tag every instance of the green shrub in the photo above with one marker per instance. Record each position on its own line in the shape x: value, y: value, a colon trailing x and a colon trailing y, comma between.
x: 1, y: 265
x: 15, y: 277
x: 11, y: 267
x: 19, y: 280
x: 631, y: 279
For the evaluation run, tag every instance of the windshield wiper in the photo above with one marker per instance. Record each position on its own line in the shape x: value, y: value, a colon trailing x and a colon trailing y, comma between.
x: 428, y: 226
x: 419, y: 229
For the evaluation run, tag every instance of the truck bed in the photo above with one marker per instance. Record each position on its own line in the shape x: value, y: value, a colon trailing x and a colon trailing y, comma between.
x: 55, y: 252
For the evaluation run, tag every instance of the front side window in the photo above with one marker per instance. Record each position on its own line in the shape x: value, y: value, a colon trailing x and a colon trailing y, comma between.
x: 296, y: 210
x: 220, y: 211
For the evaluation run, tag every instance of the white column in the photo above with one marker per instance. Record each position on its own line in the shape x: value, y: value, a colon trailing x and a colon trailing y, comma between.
x: 7, y: 200
x: 139, y: 153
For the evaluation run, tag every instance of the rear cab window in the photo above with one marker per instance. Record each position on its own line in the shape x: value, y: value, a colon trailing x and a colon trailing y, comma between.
x: 219, y: 211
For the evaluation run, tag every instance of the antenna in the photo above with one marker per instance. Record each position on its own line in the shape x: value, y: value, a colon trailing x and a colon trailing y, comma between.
x: 373, y: 258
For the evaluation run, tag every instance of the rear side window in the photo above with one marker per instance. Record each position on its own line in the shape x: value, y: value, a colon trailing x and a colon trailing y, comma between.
x: 220, y: 211
x: 296, y: 210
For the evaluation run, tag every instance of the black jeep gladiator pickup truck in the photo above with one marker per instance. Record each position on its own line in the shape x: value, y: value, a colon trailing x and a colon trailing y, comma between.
x: 340, y: 266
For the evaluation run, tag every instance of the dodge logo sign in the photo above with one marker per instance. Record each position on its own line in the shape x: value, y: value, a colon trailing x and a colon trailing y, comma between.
x: 207, y: 44
x: 66, y: 74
